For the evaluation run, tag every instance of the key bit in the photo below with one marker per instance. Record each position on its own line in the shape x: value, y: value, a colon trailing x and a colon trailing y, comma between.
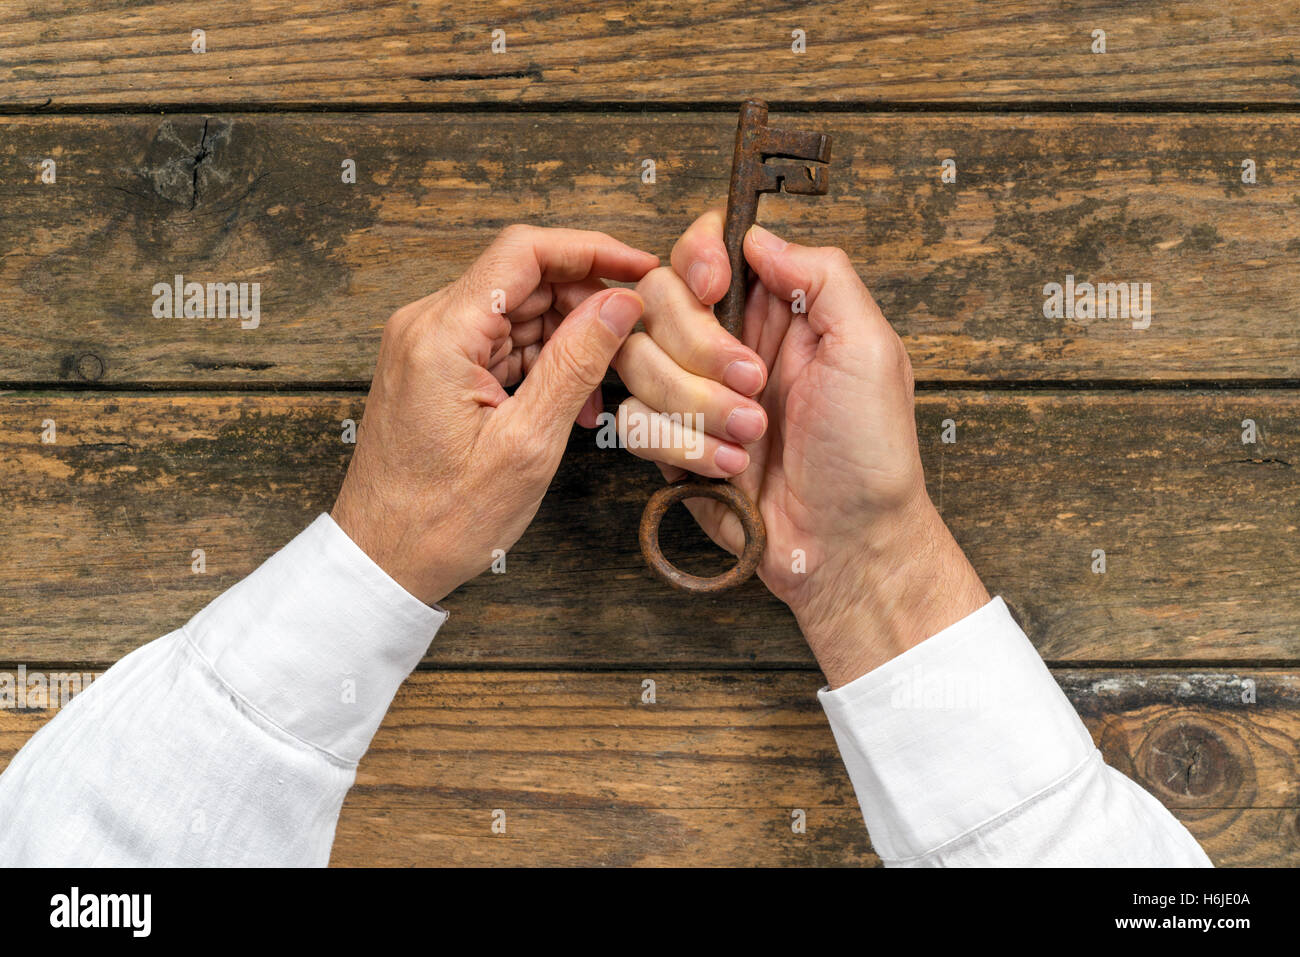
x: 765, y: 160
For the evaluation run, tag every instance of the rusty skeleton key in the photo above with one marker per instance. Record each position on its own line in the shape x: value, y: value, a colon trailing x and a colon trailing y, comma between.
x: 764, y: 161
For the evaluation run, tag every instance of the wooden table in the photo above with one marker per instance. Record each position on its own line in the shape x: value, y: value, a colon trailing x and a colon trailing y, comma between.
x: 1071, y: 435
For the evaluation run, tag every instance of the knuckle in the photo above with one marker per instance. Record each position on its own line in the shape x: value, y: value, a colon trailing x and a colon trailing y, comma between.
x: 515, y: 233
x: 669, y: 379
x: 705, y: 353
x: 887, y: 354
x: 657, y: 280
x: 836, y: 259
x: 696, y: 397
x: 397, y: 323
x: 541, y: 299
x: 627, y: 354
x: 407, y: 313
x: 399, y: 330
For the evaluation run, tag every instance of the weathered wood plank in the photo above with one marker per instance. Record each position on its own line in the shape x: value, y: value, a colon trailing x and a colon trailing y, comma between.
x: 959, y: 268
x: 687, y: 837
x: 1251, y: 838
x: 735, y: 740
x: 291, y: 52
x: 604, y: 837
x: 710, y: 772
x: 1199, y: 530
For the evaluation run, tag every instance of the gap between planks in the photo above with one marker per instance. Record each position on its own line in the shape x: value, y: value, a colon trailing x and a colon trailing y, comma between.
x: 727, y: 107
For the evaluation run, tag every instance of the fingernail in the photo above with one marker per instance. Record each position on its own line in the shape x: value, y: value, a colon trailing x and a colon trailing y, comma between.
x: 700, y: 277
x: 743, y: 376
x: 765, y: 240
x: 730, y: 459
x: 620, y: 312
x: 746, y: 424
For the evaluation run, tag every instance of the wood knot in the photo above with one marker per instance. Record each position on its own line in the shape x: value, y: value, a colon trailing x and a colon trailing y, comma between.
x: 1190, y: 763
x: 87, y: 367
x: 186, y: 163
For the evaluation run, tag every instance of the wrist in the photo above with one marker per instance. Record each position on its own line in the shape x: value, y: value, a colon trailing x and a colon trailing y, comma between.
x: 391, y: 551
x: 908, y: 582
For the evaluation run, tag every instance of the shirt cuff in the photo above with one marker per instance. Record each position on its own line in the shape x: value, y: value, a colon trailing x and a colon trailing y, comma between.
x: 317, y: 640
x: 953, y: 733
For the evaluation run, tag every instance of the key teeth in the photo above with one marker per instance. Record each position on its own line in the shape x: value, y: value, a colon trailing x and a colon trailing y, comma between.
x: 799, y: 179
x: 823, y: 152
x: 795, y: 145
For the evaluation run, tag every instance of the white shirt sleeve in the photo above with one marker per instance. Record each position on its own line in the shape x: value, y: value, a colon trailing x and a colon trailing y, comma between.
x: 233, y: 740
x: 964, y: 751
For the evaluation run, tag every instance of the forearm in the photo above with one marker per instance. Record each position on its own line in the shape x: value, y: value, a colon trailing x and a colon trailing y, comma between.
x: 234, y: 740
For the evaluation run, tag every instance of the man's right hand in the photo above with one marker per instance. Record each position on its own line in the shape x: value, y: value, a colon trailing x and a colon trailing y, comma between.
x: 837, y: 472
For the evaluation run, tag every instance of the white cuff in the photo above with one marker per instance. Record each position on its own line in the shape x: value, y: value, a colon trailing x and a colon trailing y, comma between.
x: 317, y: 640
x: 953, y: 733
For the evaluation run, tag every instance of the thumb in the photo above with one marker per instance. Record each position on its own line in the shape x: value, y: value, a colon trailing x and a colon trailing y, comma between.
x: 836, y: 299
x: 575, y: 359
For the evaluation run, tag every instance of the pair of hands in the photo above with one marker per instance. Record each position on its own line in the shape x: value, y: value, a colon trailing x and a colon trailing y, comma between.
x: 810, y: 414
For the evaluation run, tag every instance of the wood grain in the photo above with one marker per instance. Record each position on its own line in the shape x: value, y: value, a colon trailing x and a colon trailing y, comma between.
x: 1199, y: 530
x: 710, y: 772
x: 225, y: 167
x: 76, y: 53
x: 608, y: 837
x: 621, y: 837
x: 960, y: 268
